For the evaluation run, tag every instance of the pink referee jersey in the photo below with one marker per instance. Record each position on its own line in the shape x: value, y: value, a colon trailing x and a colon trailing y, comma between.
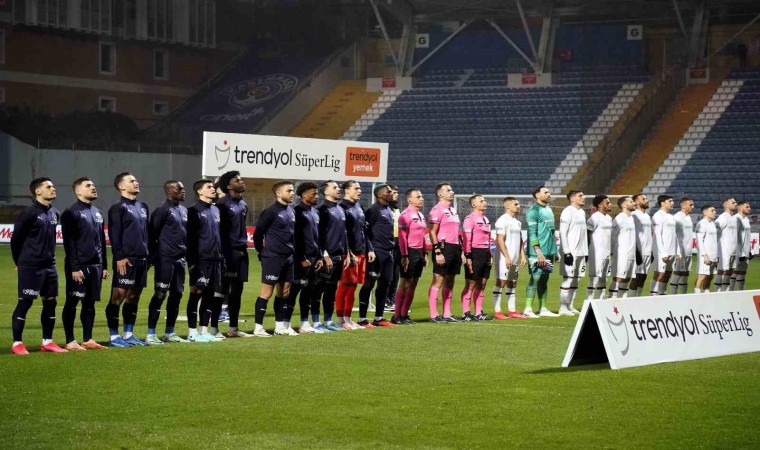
x: 411, y: 230
x: 477, y: 232
x: 445, y: 216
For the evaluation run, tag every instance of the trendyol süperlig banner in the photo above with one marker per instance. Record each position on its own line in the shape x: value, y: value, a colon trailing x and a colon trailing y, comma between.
x: 630, y: 332
x: 257, y: 156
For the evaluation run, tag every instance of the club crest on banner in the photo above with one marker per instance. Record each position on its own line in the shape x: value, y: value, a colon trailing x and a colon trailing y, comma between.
x: 258, y: 90
x: 222, y: 155
x: 618, y: 330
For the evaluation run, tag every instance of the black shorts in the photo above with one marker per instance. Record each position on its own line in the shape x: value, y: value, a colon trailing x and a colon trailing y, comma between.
x: 416, y: 263
x: 169, y: 275
x: 89, y: 288
x: 452, y: 253
x: 207, y: 274
x: 304, y: 276
x: 481, y: 265
x: 382, y: 266
x: 333, y: 275
x: 135, y: 278
x: 276, y: 269
x: 34, y: 282
x: 236, y: 265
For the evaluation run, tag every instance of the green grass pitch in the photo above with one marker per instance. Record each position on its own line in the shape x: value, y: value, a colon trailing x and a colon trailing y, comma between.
x: 479, y: 385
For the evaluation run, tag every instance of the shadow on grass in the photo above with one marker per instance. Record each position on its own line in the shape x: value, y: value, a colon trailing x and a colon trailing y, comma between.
x: 583, y: 368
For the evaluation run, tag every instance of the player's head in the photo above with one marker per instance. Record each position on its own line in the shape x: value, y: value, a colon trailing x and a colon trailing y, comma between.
x: 284, y: 192
x: 232, y: 182
x: 218, y: 187
x: 84, y: 189
x: 576, y: 198
x: 394, y: 195
x: 478, y: 203
x: 626, y: 203
x: 542, y: 195
x: 665, y: 202
x: 602, y: 203
x: 511, y: 206
x: 126, y: 184
x: 330, y: 190
x: 743, y: 207
x: 443, y: 191
x: 43, y: 189
x: 175, y: 190
x: 641, y: 201
x: 383, y: 193
x: 687, y: 205
x: 414, y: 198
x: 708, y: 211
x: 308, y: 192
x: 204, y: 190
x: 729, y: 205
x: 352, y: 190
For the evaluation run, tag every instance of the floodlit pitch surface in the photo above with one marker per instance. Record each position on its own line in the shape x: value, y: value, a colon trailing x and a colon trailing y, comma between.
x: 469, y: 385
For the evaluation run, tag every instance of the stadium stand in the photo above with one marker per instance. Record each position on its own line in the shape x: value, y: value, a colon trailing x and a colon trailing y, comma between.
x: 718, y: 157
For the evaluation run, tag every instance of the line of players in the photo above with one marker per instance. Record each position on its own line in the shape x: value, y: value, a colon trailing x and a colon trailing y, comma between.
x: 322, y: 253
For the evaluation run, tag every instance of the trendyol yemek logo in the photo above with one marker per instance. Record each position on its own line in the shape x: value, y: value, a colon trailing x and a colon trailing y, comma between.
x: 258, y: 90
x: 615, y: 328
x: 222, y: 154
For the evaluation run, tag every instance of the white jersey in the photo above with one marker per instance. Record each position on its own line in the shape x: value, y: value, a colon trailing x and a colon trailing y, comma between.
x: 685, y: 232
x: 510, y: 227
x: 573, y: 238
x: 600, y: 226
x: 624, y: 238
x: 707, y: 240
x: 643, y: 232
x: 727, y: 235
x: 665, y: 235
x: 744, y: 237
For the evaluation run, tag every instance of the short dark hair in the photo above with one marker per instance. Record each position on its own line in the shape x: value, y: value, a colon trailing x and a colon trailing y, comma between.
x: 663, y: 198
x: 440, y: 186
x: 324, y: 185
x: 537, y: 190
x: 473, y: 197
x: 622, y: 200
x: 200, y: 183
x: 78, y: 181
x: 598, y: 199
x: 224, y: 180
x: 117, y: 179
x: 276, y: 187
x: 727, y: 199
x: 508, y: 199
x: 572, y: 194
x: 393, y: 187
x: 348, y: 184
x: 706, y: 207
x: 409, y: 192
x: 743, y: 202
x: 684, y: 200
x: 304, y: 187
x: 635, y: 197
x: 37, y: 182
x: 168, y: 183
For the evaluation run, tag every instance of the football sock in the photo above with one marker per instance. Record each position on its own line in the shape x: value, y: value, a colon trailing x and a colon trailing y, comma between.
x: 613, y: 289
x: 448, y: 294
x: 47, y: 318
x: 674, y: 279
x: 260, y: 310
x: 215, y: 308
x: 364, y: 297
x: 654, y: 288
x: 172, y: 311
x: 234, y: 300
x: 68, y: 315
x: 381, y: 294
x: 466, y: 295
x: 129, y: 316
x: 408, y: 299
x: 19, y: 318
x: 740, y: 282
x: 477, y: 294
x: 511, y: 299
x: 340, y: 303
x: 192, y: 309
x: 154, y: 310
x: 87, y: 317
x: 530, y: 292
x: 398, y: 302
x: 328, y: 303
x: 112, y: 319
x: 497, y: 299
x: 277, y: 310
x: 732, y: 283
x: 542, y: 290
x: 433, y: 301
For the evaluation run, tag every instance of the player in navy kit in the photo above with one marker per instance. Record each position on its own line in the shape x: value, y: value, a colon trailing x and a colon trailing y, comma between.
x: 84, y: 241
x: 33, y: 250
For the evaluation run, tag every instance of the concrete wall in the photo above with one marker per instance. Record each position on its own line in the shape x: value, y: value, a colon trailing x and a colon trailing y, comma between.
x: 20, y: 163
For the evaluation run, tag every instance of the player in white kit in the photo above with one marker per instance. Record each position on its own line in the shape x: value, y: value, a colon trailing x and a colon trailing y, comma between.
x: 743, y: 248
x: 685, y: 231
x: 707, y: 249
x: 727, y: 244
x: 666, y: 249
x: 509, y: 258
x: 623, y: 248
x: 599, y: 247
x: 573, y: 246
x: 643, y: 243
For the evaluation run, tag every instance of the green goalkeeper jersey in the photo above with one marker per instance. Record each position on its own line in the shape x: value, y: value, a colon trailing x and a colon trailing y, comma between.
x: 540, y: 220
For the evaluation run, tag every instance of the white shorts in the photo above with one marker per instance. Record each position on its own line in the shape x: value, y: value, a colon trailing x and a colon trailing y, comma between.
x: 706, y: 269
x: 576, y: 270
x: 664, y: 266
x: 501, y: 272
x: 684, y: 265
x: 726, y: 262
x: 622, y: 269
x: 646, y: 263
x: 599, y: 267
x: 741, y: 266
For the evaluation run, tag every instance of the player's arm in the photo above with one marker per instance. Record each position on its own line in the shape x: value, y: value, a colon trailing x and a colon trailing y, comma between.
x: 403, y: 240
x: 701, y: 247
x: 532, y: 222
x: 565, y: 219
x: 155, y: 225
x: 262, y: 226
x: 502, y: 245
x: 21, y: 230
x: 69, y: 232
x: 193, y: 228
x: 103, y: 249
x: 659, y: 238
x: 371, y: 216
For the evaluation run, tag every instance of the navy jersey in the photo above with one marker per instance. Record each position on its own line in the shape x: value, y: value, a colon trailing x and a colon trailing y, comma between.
x: 33, y: 239
x: 275, y: 229
x: 380, y: 227
x: 128, y: 229
x: 234, y: 234
x: 307, y: 233
x: 168, y: 231
x: 332, y: 228
x: 203, y: 239
x: 356, y: 225
x: 84, y: 236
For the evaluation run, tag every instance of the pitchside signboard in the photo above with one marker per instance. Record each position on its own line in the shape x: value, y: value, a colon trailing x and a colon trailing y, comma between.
x: 257, y: 156
x: 640, y: 331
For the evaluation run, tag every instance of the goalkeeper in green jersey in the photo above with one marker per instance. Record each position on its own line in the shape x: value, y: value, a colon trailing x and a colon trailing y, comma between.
x: 542, y: 251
